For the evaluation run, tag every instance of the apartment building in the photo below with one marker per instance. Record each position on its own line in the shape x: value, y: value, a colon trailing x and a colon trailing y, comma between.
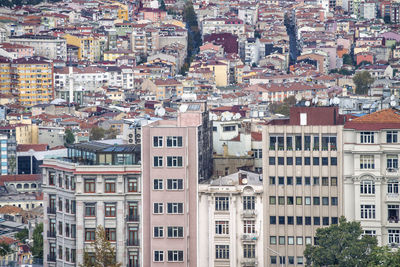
x: 371, y: 174
x: 89, y: 47
x: 44, y: 45
x: 32, y: 80
x: 176, y: 155
x: 99, y: 184
x: 3, y: 154
x: 302, y: 181
x: 5, y: 75
x: 231, y: 221
x: 144, y: 39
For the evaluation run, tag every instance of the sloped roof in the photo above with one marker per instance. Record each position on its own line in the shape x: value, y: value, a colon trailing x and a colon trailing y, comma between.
x: 383, y: 119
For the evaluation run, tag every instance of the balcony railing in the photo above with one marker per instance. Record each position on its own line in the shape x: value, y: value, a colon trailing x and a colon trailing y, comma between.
x: 132, y: 242
x: 51, y: 234
x: 51, y: 210
x: 250, y: 237
x: 51, y: 258
x: 249, y: 213
x: 132, y: 218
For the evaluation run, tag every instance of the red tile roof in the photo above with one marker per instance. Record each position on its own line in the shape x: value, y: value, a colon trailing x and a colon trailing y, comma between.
x: 383, y: 119
x: 34, y: 147
x: 256, y: 136
x: 20, y: 178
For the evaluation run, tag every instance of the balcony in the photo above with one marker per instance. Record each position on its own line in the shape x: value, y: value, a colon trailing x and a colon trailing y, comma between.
x: 392, y: 172
x: 249, y: 213
x: 51, y: 258
x: 132, y: 242
x: 51, y: 210
x: 132, y: 218
x: 51, y: 234
x: 250, y: 237
x: 249, y: 262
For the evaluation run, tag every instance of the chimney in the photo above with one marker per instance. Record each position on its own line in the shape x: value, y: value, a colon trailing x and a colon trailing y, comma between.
x: 225, y: 146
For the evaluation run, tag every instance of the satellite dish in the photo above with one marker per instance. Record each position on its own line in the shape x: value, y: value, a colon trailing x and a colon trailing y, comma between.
x: 307, y: 103
x: 223, y: 118
x: 298, y: 97
x: 392, y: 103
x: 183, y: 108
x: 336, y: 101
x: 330, y: 102
x: 392, y: 97
x: 161, y: 111
x: 237, y: 116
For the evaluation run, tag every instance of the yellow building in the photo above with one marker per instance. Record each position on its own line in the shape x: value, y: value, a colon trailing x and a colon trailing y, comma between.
x: 88, y: 46
x: 32, y: 80
x: 27, y: 134
x: 5, y: 75
x: 219, y: 68
x: 113, y: 55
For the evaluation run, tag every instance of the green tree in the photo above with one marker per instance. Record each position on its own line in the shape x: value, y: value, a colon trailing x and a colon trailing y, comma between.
x: 102, y: 252
x: 37, y: 249
x: 5, y: 249
x: 111, y: 133
x: 69, y: 137
x: 97, y: 133
x: 385, y: 257
x: 162, y: 6
x: 284, y: 107
x: 22, y: 235
x: 194, y: 35
x: 12, y: 164
x: 363, y: 81
x: 341, y: 245
x: 347, y: 60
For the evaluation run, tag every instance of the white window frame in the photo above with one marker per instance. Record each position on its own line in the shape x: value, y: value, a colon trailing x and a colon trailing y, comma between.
x: 159, y: 160
x: 367, y: 162
x: 175, y: 230
x: 174, y: 141
x: 175, y: 255
x: 174, y: 207
x: 176, y: 161
x: 367, y: 211
x: 367, y: 187
x: 394, y: 236
x: 367, y: 137
x: 392, y: 162
x: 249, y: 226
x: 159, y: 183
x: 158, y: 141
x: 393, y: 187
x: 174, y: 184
x: 222, y: 252
x: 222, y: 227
x: 393, y: 135
x: 222, y: 203
x: 158, y: 208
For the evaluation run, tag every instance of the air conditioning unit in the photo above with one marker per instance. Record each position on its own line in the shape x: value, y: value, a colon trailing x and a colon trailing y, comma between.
x: 130, y: 135
x: 130, y: 141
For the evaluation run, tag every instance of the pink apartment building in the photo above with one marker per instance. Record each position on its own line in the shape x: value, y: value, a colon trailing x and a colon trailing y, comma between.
x: 176, y: 154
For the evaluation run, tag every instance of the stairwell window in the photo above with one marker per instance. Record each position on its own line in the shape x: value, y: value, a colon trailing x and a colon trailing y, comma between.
x: 367, y: 138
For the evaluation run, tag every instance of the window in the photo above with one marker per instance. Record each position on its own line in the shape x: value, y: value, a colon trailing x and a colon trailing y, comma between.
x: 291, y: 259
x: 392, y: 162
x: 334, y: 201
x: 272, y: 200
x: 249, y: 251
x: 307, y: 161
x: 315, y: 161
x: 370, y: 232
x: 60, y: 228
x: 307, y: 180
x: 391, y: 137
x: 368, y: 211
x: 272, y: 240
x: 111, y: 234
x: 316, y: 180
x: 157, y: 141
x: 273, y: 259
x: 158, y: 161
x: 298, y: 160
x: 175, y: 208
x: 367, y: 137
x: 222, y: 227
x: 367, y: 187
x: 290, y: 240
x: 272, y: 219
x: 222, y: 203
x: 307, y: 200
x: 394, y: 236
x: 174, y: 184
x: 316, y: 201
x: 257, y: 153
x: 132, y: 185
x: 158, y: 231
x: 52, y: 176
x: 317, y: 220
x: 334, y: 220
x: 281, y: 240
x: 299, y: 220
x: 158, y: 208
x: 393, y: 187
x: 281, y: 180
x: 158, y: 255
x: 90, y: 185
x: 325, y: 161
x: 281, y: 219
x: 272, y: 180
x: 289, y: 143
x: 110, y: 186
x: 308, y: 240
x: 367, y: 162
x: 289, y: 180
x: 325, y: 220
x: 90, y: 209
x: 249, y: 202
x: 281, y: 200
x: 175, y: 231
x: 158, y: 184
x: 222, y: 251
x: 271, y: 160
x: 229, y: 128
x: 175, y: 255
x: 60, y: 252
x: 281, y: 161
x: 307, y: 220
x: 299, y: 180
x: 289, y: 161
x: 325, y: 181
x: 290, y: 220
x: 333, y: 161
x: 300, y: 260
x: 282, y: 260
x: 90, y: 234
x: 299, y: 240
x: 67, y: 254
x: 60, y: 204
x: 174, y: 161
x: 333, y: 181
x: 290, y: 200
x: 249, y: 227
x: 110, y: 209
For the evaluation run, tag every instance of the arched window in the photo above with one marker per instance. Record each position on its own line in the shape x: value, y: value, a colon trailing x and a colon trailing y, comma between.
x: 33, y: 186
x: 19, y: 186
x: 26, y: 186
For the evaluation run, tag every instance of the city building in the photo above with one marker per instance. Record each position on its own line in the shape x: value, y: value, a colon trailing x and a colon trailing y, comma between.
x: 302, y: 181
x: 98, y: 184
x: 371, y: 174
x: 176, y: 156
x: 231, y: 221
x: 3, y: 154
